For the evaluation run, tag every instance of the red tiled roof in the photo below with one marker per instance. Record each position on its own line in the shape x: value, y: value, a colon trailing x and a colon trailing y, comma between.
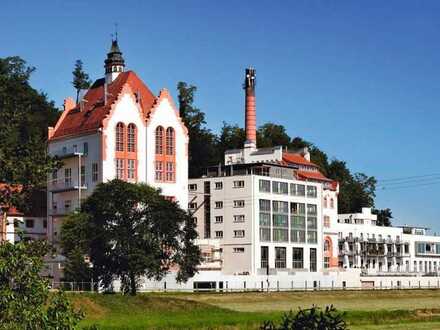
x: 296, y: 159
x: 94, y: 110
x: 313, y: 175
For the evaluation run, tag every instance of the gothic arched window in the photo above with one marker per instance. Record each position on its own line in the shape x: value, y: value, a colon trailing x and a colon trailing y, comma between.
x: 131, y: 138
x: 159, y: 140
x: 170, y: 140
x: 120, y: 137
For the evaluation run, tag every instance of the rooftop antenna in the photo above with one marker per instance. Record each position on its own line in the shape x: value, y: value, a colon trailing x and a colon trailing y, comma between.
x: 116, y: 31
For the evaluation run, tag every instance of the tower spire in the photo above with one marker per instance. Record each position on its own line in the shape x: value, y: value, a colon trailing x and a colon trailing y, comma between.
x: 114, y: 63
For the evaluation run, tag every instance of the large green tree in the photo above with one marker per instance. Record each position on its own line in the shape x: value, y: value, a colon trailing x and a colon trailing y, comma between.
x: 202, y: 147
x: 25, y: 115
x: 81, y: 79
x: 25, y: 302
x: 130, y: 231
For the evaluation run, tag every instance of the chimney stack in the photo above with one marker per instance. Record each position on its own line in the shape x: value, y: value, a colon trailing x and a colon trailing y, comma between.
x: 250, y: 116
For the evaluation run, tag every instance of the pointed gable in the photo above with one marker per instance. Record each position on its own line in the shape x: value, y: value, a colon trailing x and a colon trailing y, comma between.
x: 89, y: 118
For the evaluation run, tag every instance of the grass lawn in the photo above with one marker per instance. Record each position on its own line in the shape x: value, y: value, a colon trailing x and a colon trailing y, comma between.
x: 397, y: 309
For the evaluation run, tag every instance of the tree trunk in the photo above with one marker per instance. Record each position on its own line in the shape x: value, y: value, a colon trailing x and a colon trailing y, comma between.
x: 132, y: 284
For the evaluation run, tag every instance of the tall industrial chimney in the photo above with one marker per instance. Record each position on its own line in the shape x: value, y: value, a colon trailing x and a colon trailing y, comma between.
x: 251, y: 117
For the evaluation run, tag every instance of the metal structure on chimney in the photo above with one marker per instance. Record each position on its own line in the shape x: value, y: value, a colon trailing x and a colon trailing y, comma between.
x: 250, y: 119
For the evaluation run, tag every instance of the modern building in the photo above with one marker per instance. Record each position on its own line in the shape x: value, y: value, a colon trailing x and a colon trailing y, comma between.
x: 265, y: 210
x: 269, y: 213
x: 118, y: 129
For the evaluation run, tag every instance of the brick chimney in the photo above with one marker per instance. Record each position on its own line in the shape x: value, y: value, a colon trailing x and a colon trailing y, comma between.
x: 250, y: 116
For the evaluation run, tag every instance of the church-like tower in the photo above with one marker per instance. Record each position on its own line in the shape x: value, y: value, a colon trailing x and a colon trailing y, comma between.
x: 114, y: 64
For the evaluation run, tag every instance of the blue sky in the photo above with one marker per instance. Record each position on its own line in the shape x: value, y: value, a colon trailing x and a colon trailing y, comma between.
x: 359, y: 79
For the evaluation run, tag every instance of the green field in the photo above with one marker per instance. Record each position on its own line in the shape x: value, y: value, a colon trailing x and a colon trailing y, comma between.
x: 393, y: 309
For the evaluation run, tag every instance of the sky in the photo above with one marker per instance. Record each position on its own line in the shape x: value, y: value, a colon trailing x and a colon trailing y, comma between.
x: 360, y: 79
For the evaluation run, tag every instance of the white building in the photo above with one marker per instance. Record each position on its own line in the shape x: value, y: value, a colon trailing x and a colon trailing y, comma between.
x: 119, y: 129
x: 262, y: 212
x: 270, y: 212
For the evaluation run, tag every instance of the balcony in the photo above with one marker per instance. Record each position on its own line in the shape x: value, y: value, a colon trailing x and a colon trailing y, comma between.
x: 65, y: 185
x: 66, y: 153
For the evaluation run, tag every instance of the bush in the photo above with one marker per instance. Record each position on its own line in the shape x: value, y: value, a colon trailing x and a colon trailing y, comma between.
x: 309, y: 319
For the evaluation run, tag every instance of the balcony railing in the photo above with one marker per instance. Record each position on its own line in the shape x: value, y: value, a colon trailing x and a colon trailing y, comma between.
x: 68, y: 152
x: 64, y: 185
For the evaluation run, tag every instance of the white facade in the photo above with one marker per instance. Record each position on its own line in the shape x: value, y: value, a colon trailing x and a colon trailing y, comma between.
x: 30, y: 227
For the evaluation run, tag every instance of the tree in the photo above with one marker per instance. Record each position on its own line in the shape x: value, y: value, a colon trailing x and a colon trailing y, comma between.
x: 384, y: 217
x: 130, y: 231
x: 270, y: 135
x: 202, y: 147
x: 81, y: 79
x: 25, y: 115
x: 25, y: 302
x: 231, y: 137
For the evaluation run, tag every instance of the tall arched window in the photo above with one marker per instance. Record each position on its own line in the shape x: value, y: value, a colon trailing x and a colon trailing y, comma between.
x: 325, y: 202
x: 170, y: 141
x: 326, y: 245
x: 131, y: 138
x: 332, y: 203
x: 120, y: 137
x: 159, y: 140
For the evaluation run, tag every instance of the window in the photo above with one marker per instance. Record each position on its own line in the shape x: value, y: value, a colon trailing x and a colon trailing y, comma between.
x: 54, y: 177
x: 332, y: 203
x: 170, y: 173
x: 192, y: 187
x: 326, y: 262
x: 219, y: 234
x: 264, y: 186
x: 313, y: 266
x: 67, y: 204
x: 159, y: 171
x: 238, y: 250
x: 325, y: 202
x: 159, y: 140
x: 95, y: 172
x: 326, y: 245
x: 239, y: 203
x: 297, y: 258
x: 131, y: 169
x: 265, y: 207
x: 120, y: 169
x: 68, y: 177
x: 298, y: 222
x: 29, y: 223
x: 44, y: 223
x: 280, y: 257
x: 120, y: 137
x: 195, y: 220
x: 297, y: 189
x: 311, y: 191
x: 264, y: 256
x: 218, y: 205
x: 238, y: 233
x: 54, y: 206
x: 192, y: 206
x: 131, y: 138
x: 219, y: 219
x: 280, y: 221
x: 326, y: 221
x: 239, y: 184
x: 280, y: 187
x: 85, y: 148
x: 239, y: 218
x: 219, y: 185
x: 170, y: 140
x: 83, y: 175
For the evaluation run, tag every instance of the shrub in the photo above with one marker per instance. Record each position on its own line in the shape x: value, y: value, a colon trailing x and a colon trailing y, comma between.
x: 309, y: 319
